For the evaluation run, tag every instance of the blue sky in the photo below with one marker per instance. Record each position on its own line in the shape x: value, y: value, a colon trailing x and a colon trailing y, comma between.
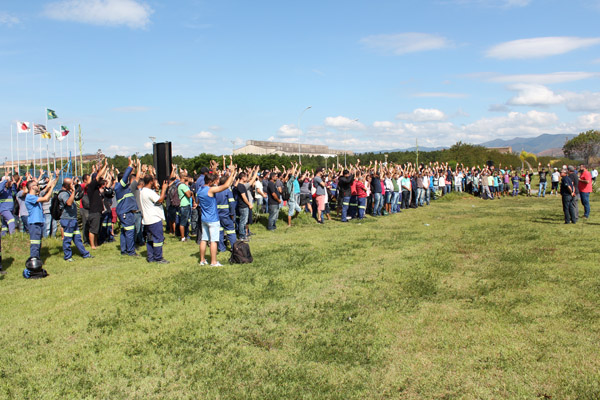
x: 205, y: 74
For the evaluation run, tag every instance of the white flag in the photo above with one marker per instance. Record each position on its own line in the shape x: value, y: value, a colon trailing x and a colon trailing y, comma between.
x: 23, y: 127
x: 58, y: 135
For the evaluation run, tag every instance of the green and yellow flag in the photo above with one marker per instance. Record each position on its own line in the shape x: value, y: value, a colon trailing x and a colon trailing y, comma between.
x: 51, y: 114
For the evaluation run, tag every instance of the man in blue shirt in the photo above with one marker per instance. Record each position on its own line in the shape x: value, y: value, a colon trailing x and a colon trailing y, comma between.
x: 210, y: 215
x: 226, y: 210
x: 33, y: 202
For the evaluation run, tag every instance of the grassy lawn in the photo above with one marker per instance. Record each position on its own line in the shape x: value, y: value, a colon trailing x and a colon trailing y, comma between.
x: 465, y: 299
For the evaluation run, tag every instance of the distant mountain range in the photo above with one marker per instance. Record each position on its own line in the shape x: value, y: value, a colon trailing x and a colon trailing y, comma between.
x: 543, y: 145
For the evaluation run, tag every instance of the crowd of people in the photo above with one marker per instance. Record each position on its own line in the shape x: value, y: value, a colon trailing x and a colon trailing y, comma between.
x: 219, y: 204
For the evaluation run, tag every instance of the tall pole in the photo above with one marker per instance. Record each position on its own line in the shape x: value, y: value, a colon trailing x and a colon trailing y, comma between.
x: 80, y: 151
x: 27, y: 150
x: 346, y: 139
x: 300, y: 132
x: 12, y: 157
x: 33, y: 150
x: 74, y: 151
x: 18, y: 152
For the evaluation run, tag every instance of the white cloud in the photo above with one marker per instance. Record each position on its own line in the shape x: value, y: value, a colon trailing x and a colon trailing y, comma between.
x: 589, y: 121
x: 288, y: 131
x: 539, y: 47
x: 586, y: 101
x: 441, y: 94
x: 534, y: 95
x: 384, y: 125
x: 8, y: 19
x: 544, y: 79
x: 131, y: 109
x: 343, y: 123
x: 403, y: 43
x: 148, y: 145
x: 132, y: 13
x: 204, y: 136
x: 422, y: 115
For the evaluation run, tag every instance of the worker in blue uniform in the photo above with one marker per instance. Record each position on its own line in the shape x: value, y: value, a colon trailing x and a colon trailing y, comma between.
x: 8, y: 189
x: 126, y: 208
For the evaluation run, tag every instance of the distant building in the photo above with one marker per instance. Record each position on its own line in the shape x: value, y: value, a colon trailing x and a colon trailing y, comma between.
x: 502, y: 150
x: 288, y: 149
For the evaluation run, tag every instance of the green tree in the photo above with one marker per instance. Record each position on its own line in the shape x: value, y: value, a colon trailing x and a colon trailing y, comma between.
x: 585, y: 145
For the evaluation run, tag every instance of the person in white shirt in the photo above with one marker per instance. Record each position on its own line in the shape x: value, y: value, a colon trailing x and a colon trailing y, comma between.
x: 153, y: 216
x: 555, y: 180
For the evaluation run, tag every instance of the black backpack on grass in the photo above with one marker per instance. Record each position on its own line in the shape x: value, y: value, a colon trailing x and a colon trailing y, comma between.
x: 240, y: 253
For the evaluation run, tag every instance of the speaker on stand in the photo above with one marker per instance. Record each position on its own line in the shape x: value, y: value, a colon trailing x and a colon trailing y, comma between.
x: 162, y: 161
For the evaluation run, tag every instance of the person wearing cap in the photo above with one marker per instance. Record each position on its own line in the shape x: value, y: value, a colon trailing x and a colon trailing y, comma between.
x: 126, y: 208
x: 8, y: 188
x: 585, y: 188
x: 555, y: 180
x: 567, y: 191
x: 33, y: 202
x: 68, y: 221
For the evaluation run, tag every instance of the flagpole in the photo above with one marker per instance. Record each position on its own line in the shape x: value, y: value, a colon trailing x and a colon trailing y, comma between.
x: 75, y: 153
x: 61, y: 161
x: 80, y: 152
x: 12, y: 156
x: 69, y: 154
x: 33, y: 149
x: 18, y: 152
x: 26, y: 150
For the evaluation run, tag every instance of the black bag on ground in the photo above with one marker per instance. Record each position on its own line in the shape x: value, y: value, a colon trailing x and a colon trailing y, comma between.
x: 240, y: 253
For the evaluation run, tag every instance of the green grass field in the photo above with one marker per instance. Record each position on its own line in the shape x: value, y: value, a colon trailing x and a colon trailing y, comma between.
x: 465, y: 299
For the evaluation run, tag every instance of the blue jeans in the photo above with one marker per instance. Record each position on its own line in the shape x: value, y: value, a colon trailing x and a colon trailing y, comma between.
x: 395, y: 207
x: 585, y: 202
x: 139, y: 236
x: 273, y: 214
x: 362, y: 206
x: 427, y: 195
x: 420, y: 196
x: 542, y: 191
x: 377, y: 203
x: 49, y: 226
x: 243, y: 213
x: 345, y: 206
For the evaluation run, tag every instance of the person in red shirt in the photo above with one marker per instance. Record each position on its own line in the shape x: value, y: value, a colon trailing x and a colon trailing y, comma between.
x: 585, y: 188
x: 361, y: 195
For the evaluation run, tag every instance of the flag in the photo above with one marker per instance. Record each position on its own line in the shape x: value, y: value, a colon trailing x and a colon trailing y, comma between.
x: 46, y: 135
x: 23, y: 127
x: 64, y: 131
x: 39, y: 129
x: 59, y: 135
x: 51, y: 114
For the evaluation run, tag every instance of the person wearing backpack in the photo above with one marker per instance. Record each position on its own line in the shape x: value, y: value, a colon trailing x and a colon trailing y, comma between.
x: 184, y: 194
x: 173, y: 203
x: 68, y: 221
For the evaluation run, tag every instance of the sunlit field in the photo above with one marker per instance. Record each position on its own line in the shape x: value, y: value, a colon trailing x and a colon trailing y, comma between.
x: 464, y: 299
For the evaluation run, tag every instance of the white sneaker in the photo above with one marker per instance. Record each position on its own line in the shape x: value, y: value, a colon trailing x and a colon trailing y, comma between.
x: 218, y: 264
x: 183, y: 239
x: 348, y: 218
x: 204, y: 262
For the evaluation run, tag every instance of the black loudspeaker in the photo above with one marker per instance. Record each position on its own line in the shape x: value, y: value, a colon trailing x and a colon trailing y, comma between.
x: 162, y: 161
x: 490, y: 163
